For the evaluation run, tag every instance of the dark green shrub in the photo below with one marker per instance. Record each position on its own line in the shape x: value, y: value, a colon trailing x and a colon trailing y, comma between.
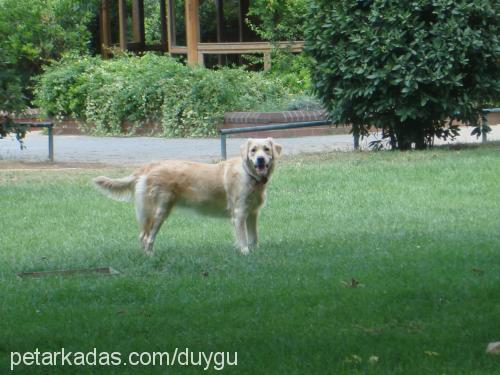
x: 34, y: 32
x: 405, y: 67
x: 11, y: 96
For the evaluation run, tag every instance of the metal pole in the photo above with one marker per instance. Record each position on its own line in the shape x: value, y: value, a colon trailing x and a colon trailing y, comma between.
x: 223, y: 146
x: 274, y: 127
x: 51, y: 142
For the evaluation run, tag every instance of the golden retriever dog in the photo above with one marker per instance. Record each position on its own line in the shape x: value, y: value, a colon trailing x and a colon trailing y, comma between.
x: 234, y: 188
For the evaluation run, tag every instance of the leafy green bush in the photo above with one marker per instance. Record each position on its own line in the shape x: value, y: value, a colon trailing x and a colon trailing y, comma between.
x: 283, y: 20
x: 62, y: 88
x: 405, y: 67
x: 292, y: 69
x: 186, y: 101
x: 200, y: 106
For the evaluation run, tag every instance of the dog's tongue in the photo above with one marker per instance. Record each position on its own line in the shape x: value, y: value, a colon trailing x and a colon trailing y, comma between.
x: 262, y: 169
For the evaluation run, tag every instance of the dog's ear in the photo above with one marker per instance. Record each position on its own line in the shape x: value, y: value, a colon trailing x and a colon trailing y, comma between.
x: 244, y: 149
x: 276, y: 147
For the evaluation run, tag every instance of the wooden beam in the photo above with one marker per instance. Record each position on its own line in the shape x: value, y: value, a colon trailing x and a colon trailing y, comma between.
x: 219, y: 10
x: 122, y: 17
x: 239, y: 48
x: 105, y: 28
x: 138, y: 21
x: 178, y: 50
x: 171, y: 24
x: 164, y: 26
x: 245, y: 47
x: 192, y: 31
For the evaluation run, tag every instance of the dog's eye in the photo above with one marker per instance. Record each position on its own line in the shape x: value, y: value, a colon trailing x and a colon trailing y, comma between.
x: 266, y: 149
x: 253, y: 150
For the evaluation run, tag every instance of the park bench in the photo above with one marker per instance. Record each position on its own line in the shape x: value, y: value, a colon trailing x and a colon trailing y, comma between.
x: 483, y: 128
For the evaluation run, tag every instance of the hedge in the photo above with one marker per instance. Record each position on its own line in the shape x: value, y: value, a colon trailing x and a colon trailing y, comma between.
x: 151, y: 88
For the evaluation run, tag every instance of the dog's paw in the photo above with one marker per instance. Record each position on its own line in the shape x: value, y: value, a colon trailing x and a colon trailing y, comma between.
x: 244, y: 251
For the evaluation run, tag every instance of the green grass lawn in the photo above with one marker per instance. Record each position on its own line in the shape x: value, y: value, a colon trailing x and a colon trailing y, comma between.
x: 419, y: 231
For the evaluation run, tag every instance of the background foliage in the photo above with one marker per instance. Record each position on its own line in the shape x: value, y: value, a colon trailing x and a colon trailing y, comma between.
x: 34, y: 32
x: 11, y: 95
x: 283, y: 20
x: 405, y: 67
x: 279, y: 19
x: 138, y: 90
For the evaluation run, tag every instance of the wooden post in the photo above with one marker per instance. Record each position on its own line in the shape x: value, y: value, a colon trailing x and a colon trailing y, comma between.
x: 164, y: 27
x: 244, y: 6
x: 243, y: 28
x: 219, y: 8
x: 105, y: 28
x: 122, y: 16
x: 192, y: 31
x: 138, y: 21
x: 171, y: 24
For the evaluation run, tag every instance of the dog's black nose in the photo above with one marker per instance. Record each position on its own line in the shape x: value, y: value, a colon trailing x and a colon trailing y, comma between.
x: 260, y: 161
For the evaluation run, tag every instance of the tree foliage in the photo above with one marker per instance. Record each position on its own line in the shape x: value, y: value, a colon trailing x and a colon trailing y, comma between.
x: 33, y: 32
x: 405, y: 67
x: 11, y: 96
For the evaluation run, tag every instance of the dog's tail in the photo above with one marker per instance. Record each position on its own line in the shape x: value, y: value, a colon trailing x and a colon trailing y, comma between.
x: 120, y: 189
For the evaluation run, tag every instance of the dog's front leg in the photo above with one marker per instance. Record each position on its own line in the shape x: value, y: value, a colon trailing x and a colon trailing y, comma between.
x: 240, y: 228
x: 253, y: 238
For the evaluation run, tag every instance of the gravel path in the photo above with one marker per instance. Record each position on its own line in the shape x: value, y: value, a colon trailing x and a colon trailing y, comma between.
x: 137, y: 150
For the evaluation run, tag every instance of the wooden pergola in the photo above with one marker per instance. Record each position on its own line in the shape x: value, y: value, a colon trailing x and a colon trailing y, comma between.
x: 194, y: 49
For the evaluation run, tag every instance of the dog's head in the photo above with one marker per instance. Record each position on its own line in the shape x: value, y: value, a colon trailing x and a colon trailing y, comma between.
x: 259, y: 156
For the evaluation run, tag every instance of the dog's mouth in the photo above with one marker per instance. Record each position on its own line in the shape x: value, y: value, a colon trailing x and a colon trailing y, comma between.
x: 262, y: 169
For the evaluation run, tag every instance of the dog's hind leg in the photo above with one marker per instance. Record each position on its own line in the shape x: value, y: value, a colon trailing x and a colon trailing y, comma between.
x: 143, y: 210
x: 145, y: 229
x: 161, y: 214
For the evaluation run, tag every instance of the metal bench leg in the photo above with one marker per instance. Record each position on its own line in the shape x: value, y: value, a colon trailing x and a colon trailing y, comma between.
x: 51, y: 143
x: 223, y: 146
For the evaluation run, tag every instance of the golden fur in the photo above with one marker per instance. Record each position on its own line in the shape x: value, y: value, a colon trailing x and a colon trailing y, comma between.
x: 235, y: 188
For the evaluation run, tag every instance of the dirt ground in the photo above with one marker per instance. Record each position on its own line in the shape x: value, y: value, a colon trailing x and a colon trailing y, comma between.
x: 19, y: 165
